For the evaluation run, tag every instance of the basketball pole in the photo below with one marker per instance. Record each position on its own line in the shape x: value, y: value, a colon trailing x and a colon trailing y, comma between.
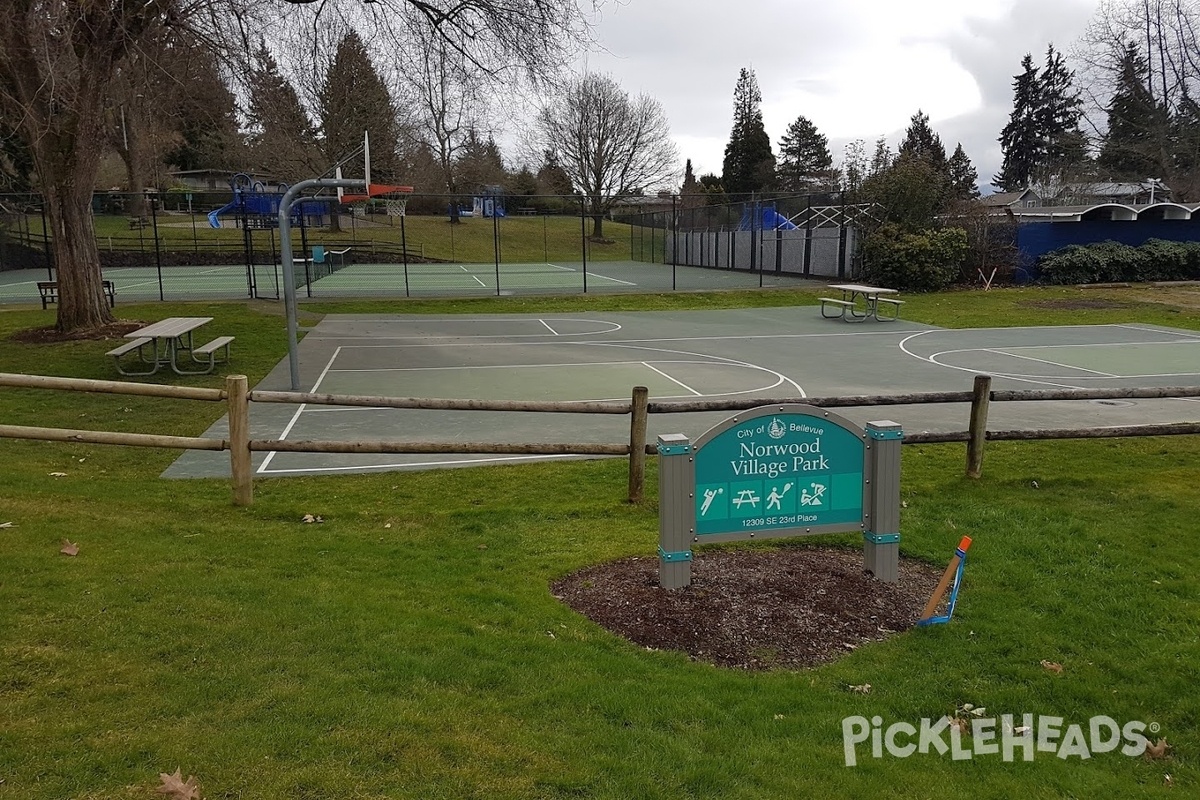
x: 285, y: 256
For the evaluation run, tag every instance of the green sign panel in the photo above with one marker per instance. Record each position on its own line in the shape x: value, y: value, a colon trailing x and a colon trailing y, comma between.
x: 774, y: 470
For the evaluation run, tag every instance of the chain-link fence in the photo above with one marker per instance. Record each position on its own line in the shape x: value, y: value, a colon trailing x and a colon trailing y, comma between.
x: 187, y: 245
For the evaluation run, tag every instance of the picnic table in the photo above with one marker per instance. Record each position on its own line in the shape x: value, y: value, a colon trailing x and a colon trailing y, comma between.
x: 848, y: 308
x: 162, y: 343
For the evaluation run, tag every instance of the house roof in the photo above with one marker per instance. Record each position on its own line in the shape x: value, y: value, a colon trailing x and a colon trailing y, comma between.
x: 1000, y: 199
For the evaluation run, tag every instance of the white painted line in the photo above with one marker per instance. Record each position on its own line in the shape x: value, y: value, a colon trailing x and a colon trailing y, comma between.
x: 565, y: 269
x: 547, y: 324
x: 1035, y: 360
x: 614, y: 280
x: 262, y: 468
x: 673, y: 380
x: 364, y: 467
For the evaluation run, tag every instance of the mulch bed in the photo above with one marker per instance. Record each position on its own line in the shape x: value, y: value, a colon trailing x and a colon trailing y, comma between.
x: 49, y: 335
x: 754, y: 608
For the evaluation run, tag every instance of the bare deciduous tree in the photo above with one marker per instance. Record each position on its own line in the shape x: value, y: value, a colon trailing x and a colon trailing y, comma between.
x: 611, y: 145
x: 58, y: 59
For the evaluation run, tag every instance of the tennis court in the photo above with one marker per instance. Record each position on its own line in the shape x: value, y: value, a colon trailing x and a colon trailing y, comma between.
x: 763, y: 353
x: 331, y: 279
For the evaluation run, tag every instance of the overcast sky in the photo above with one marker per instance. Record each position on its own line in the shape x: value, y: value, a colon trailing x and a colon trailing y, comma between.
x: 857, y: 68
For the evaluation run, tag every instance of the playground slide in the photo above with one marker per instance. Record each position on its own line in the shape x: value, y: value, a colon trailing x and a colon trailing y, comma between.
x: 774, y: 221
x: 212, y: 215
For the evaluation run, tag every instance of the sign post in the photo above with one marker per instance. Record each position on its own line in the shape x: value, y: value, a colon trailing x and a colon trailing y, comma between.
x: 780, y: 471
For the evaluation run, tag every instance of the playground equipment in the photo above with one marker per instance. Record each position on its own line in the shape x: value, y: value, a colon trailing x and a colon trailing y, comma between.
x: 764, y: 217
x: 952, y: 575
x: 258, y: 207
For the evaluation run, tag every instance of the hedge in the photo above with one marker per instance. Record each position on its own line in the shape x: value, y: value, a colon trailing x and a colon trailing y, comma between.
x: 1112, y: 262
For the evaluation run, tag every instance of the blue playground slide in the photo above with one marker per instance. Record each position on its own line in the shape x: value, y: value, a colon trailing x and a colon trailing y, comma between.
x: 770, y: 220
x: 232, y: 205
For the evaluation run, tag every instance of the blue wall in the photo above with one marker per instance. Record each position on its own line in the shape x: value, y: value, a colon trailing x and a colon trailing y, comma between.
x: 1035, y: 239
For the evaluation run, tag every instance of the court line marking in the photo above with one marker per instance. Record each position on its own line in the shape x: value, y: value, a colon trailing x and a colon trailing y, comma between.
x: 614, y: 327
x: 779, y: 379
x: 262, y: 468
x: 415, y: 464
x: 547, y: 324
x: 934, y: 359
x: 1048, y: 380
x: 750, y: 337
x: 674, y: 380
x: 703, y: 358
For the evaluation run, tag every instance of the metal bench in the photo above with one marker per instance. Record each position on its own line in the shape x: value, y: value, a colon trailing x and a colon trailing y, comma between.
x: 895, y: 306
x: 128, y: 347
x: 49, y: 292
x: 210, y: 350
x: 842, y: 307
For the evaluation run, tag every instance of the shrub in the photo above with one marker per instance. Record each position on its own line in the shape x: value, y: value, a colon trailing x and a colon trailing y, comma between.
x: 1155, y: 260
x: 916, y: 262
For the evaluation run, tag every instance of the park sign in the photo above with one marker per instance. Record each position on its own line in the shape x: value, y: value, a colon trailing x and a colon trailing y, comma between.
x: 783, y: 470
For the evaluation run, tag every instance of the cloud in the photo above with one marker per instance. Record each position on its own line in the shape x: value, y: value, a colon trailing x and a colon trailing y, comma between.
x: 857, y: 68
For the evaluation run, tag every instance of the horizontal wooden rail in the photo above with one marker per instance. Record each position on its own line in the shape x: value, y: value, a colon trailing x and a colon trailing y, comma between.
x: 549, y: 449
x: 1095, y: 394
x: 110, y: 437
x: 238, y: 398
x: 110, y: 387
x: 1118, y: 431
x: 849, y: 401
x: 544, y: 407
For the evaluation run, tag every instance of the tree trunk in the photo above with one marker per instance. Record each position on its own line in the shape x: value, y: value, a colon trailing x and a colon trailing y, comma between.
x: 597, y: 226
x: 81, y: 301
x: 67, y: 159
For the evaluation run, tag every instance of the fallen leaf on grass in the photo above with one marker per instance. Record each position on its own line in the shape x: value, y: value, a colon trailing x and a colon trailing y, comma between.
x: 961, y: 725
x: 1157, y: 751
x: 309, y: 518
x: 864, y: 688
x: 1054, y: 667
x: 1168, y: 781
x: 176, y: 788
x: 6, y: 525
x: 69, y: 549
x: 58, y: 474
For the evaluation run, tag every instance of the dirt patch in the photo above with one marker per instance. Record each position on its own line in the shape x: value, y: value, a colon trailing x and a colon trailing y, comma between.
x: 50, y: 335
x: 1077, y: 303
x: 789, y: 607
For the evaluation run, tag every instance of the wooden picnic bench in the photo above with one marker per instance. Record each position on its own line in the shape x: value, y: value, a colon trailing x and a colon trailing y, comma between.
x: 49, y: 292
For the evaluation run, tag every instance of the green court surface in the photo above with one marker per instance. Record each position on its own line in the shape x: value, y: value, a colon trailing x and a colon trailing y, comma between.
x: 757, y: 353
x: 331, y: 280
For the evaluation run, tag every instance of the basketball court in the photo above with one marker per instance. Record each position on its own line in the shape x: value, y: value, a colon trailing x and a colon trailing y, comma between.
x: 751, y: 353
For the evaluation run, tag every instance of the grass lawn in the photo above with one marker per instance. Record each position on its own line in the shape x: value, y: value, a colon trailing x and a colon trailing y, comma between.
x: 409, y: 647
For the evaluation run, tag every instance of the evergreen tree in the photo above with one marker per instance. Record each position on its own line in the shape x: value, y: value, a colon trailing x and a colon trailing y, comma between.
x: 882, y: 158
x: 210, y: 137
x: 552, y: 178
x: 855, y: 168
x: 354, y: 99
x: 963, y: 175
x: 691, y: 191
x: 1134, y: 142
x: 1057, y: 117
x: 804, y: 160
x: 1020, y: 141
x: 920, y: 141
x: 283, y: 139
x: 479, y: 163
x: 749, y: 164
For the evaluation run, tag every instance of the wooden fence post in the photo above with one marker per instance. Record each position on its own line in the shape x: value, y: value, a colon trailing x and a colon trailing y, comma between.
x: 637, y: 444
x: 980, y: 399
x: 238, y: 398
